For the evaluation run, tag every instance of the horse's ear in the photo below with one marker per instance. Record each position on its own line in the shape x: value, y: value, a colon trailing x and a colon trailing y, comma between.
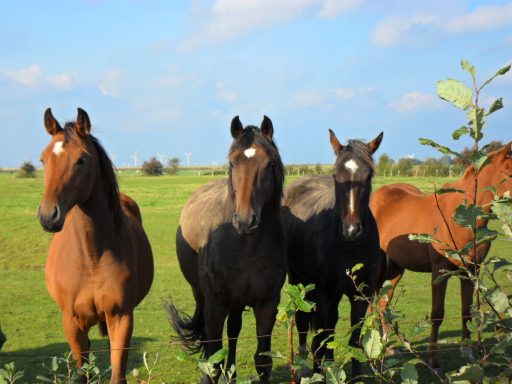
x: 375, y: 143
x: 267, y: 128
x: 52, y: 126
x: 83, y: 124
x: 507, y: 149
x: 335, y: 143
x: 236, y: 127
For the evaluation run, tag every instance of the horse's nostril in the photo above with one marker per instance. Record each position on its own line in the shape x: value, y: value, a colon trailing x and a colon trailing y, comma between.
x: 55, y: 215
x: 254, y: 221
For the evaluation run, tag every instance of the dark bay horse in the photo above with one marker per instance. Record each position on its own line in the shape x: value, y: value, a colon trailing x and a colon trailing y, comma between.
x: 231, y: 249
x: 100, y: 264
x: 330, y: 229
x: 402, y: 209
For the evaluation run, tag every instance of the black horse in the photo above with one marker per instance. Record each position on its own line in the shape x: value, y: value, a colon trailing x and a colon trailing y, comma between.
x: 330, y: 229
x: 231, y: 249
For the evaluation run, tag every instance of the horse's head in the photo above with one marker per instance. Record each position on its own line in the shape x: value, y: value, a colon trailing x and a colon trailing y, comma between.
x: 353, y: 171
x: 255, y: 173
x: 500, y: 167
x: 69, y: 169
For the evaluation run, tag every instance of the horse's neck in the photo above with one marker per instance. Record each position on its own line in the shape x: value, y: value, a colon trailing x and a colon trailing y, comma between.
x: 93, y: 223
x: 467, y: 184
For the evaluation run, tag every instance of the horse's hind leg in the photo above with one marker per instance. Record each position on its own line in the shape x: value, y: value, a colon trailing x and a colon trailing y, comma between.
x: 234, y: 327
x: 77, y: 340
x: 436, y: 316
x: 265, y: 319
x: 120, y: 328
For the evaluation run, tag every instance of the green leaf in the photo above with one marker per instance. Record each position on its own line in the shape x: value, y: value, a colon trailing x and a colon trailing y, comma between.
x: 471, y: 372
x: 458, y: 133
x: 496, y: 106
x: 218, y: 356
x: 357, y: 267
x: 498, y: 299
x: 476, y: 118
x: 274, y: 354
x: 484, y: 235
x: 40, y: 378
x: 372, y: 343
x: 479, y: 159
x: 440, y: 148
x: 500, y: 72
x: 408, y: 374
x: 468, y: 67
x: 423, y: 238
x: 466, y: 216
x: 456, y: 93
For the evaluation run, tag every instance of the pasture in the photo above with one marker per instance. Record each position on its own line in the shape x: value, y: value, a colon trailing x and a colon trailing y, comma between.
x: 32, y: 322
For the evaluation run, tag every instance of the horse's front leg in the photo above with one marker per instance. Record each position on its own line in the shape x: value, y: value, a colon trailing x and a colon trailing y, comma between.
x: 120, y: 328
x: 265, y: 319
x: 234, y: 327
x: 78, y: 341
x: 215, y: 314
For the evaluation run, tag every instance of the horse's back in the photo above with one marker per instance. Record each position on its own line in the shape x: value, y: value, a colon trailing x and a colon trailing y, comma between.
x: 309, y: 195
x: 206, y: 209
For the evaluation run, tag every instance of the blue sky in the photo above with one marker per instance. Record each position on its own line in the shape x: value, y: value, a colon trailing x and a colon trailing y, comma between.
x: 167, y: 77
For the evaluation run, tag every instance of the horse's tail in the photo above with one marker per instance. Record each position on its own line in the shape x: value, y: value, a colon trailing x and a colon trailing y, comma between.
x: 102, y: 325
x: 189, y: 330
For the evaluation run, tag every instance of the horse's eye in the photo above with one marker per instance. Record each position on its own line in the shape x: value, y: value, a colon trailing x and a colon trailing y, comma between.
x: 231, y: 165
x: 80, y: 161
x: 42, y: 161
x: 270, y: 164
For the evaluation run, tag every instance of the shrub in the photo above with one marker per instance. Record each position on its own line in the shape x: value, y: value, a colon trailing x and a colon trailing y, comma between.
x: 27, y: 169
x: 152, y: 167
x: 173, y: 166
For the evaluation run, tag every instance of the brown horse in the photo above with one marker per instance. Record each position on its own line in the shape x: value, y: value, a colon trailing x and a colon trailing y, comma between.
x: 402, y: 209
x: 231, y: 249
x: 100, y: 264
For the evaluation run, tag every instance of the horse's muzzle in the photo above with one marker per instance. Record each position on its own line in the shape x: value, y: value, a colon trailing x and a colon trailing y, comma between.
x: 246, y: 225
x: 351, y: 231
x: 52, y: 221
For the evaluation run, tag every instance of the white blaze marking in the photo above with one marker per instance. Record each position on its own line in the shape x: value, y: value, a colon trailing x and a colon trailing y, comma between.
x: 250, y: 152
x: 57, y: 148
x: 351, y: 165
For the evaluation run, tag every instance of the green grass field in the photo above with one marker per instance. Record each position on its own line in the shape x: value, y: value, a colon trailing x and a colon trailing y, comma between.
x: 31, y: 320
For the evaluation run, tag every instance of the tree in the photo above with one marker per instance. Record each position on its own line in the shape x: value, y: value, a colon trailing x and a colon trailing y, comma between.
x: 173, y: 166
x: 384, y: 164
x: 152, y: 167
x: 27, y: 169
x: 492, y: 146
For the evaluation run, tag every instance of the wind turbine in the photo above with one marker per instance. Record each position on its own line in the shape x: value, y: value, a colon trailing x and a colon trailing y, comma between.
x: 135, y: 158
x: 188, y: 158
x: 161, y: 156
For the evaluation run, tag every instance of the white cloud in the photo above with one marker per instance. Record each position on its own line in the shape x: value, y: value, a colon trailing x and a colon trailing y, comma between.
x: 395, y: 29
x: 111, y: 81
x: 412, y: 101
x: 481, y: 19
x: 349, y: 93
x: 309, y: 98
x: 333, y: 8
x: 33, y: 76
x: 225, y: 94
x: 229, y: 19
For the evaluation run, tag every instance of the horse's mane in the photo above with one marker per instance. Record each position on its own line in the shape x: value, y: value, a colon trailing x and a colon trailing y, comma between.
x: 108, y: 175
x: 360, y: 148
x: 252, y: 135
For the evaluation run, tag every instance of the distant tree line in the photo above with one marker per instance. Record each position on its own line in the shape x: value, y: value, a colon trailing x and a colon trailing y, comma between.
x: 154, y: 167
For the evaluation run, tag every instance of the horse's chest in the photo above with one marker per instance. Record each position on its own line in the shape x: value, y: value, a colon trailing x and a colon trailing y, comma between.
x: 244, y: 276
